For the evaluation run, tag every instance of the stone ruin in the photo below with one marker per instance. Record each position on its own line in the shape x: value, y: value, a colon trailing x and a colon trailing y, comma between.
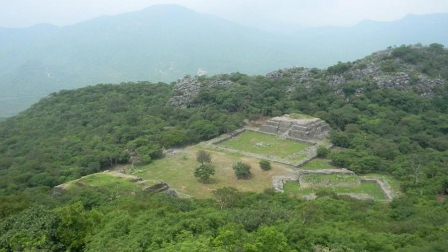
x: 278, y: 182
x: 305, y: 129
x: 145, y: 185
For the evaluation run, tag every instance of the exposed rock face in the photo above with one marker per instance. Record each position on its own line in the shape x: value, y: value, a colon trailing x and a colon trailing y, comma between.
x: 188, y: 88
x: 369, y: 70
x: 185, y: 91
x: 298, y: 75
x: 299, y: 129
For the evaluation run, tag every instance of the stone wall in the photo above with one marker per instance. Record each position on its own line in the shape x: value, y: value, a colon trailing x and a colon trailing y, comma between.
x: 305, y: 182
x: 225, y: 137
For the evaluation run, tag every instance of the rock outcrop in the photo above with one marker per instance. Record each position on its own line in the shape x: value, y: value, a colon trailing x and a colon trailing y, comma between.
x: 188, y: 88
x: 185, y: 90
x: 380, y: 68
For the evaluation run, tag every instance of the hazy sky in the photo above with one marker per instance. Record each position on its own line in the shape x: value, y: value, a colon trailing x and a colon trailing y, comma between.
x: 261, y: 13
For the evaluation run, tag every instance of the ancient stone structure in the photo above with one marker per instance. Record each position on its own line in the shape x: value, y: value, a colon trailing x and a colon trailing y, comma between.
x: 145, y: 185
x: 307, y: 129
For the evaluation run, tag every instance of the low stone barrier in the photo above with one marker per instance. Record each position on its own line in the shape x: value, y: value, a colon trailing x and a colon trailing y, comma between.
x: 387, y: 189
x: 327, y: 171
x: 278, y: 182
x: 225, y: 137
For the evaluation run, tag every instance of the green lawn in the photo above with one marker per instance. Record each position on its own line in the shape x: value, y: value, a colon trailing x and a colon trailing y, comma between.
x: 268, y: 145
x: 300, y: 116
x: 394, y: 184
x: 372, y: 189
x: 318, y: 164
x: 178, y: 171
x: 293, y: 189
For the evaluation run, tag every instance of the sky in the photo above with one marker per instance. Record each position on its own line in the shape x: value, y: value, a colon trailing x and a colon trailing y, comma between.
x: 267, y: 14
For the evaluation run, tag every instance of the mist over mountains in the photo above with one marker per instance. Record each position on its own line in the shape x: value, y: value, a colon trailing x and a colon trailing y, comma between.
x: 163, y: 43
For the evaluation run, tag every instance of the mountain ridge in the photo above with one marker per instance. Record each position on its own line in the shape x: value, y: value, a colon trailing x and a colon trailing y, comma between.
x: 145, y: 45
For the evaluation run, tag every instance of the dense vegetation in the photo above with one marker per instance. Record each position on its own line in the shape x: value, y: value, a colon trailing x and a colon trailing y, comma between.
x: 73, y: 133
x: 235, y: 222
x: 80, y: 132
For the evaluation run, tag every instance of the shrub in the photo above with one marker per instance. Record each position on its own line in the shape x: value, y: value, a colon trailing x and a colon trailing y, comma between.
x: 265, y: 165
x: 242, y: 170
x: 340, y: 139
x: 204, y: 172
x: 339, y: 68
x: 322, y: 152
x: 341, y: 159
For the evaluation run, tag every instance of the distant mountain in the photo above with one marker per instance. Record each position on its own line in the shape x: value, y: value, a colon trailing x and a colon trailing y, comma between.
x: 328, y: 45
x: 165, y: 42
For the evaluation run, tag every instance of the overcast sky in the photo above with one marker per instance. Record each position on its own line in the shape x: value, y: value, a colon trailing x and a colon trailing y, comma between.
x: 260, y: 13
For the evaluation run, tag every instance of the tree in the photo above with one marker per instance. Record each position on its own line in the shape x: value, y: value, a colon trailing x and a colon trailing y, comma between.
x: 242, y: 170
x: 270, y: 239
x: 231, y: 237
x: 203, y: 157
x: 265, y: 165
x: 75, y: 224
x: 204, y: 171
x: 203, y: 129
x: 33, y: 229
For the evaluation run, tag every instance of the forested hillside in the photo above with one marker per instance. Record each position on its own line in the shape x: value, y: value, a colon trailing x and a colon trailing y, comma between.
x: 388, y: 112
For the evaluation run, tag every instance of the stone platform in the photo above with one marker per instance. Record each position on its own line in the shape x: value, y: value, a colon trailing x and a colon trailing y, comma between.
x: 305, y: 129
